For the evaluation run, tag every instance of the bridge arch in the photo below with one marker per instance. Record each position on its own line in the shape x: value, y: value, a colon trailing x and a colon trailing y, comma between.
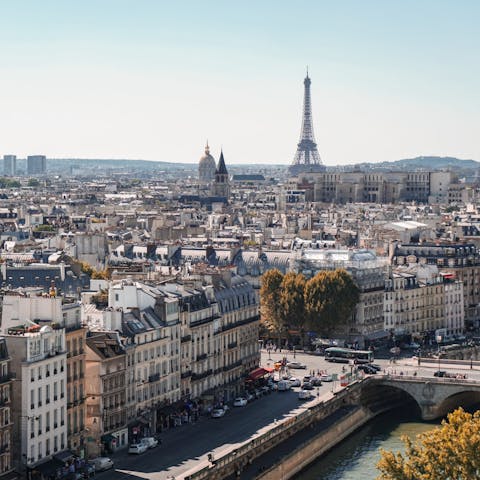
x: 378, y: 398
x: 435, y: 397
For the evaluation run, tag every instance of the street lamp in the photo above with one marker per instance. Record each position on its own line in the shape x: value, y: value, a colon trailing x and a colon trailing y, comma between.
x: 439, y: 341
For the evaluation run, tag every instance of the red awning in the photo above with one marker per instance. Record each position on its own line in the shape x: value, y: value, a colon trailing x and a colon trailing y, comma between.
x: 257, y: 373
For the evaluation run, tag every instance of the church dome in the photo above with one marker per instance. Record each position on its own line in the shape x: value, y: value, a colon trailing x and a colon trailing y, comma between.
x: 207, y: 166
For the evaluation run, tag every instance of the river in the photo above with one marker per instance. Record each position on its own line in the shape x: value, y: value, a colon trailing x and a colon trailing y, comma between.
x: 356, y: 457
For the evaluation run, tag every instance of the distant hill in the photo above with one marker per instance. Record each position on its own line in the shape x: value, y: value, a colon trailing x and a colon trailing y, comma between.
x: 420, y: 163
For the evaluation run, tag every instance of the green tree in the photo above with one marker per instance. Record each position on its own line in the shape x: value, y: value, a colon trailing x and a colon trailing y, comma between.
x: 9, y: 183
x: 292, y: 303
x: 451, y: 451
x: 33, y: 182
x: 270, y: 312
x: 330, y: 299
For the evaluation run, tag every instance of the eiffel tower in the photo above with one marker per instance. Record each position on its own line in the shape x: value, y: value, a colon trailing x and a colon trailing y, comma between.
x: 307, y: 158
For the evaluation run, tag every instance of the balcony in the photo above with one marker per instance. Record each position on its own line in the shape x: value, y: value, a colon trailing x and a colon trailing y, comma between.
x: 186, y: 374
x: 6, y: 378
x: 226, y: 368
x: 4, y: 401
x: 199, y: 376
x: 203, y: 321
x: 232, y: 344
x: 185, y: 338
x: 154, y: 378
x: 203, y: 356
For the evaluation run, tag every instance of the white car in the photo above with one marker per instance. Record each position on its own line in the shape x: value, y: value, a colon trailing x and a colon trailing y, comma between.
x: 325, y: 377
x: 217, y: 413
x: 101, y: 463
x: 294, y: 382
x: 304, y: 395
x: 150, y: 442
x: 137, y: 448
x: 296, y: 365
x: 240, y: 402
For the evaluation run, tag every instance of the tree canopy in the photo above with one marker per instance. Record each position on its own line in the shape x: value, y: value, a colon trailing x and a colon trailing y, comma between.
x: 291, y: 301
x: 323, y: 303
x: 451, y: 451
x: 330, y: 298
x: 269, y: 304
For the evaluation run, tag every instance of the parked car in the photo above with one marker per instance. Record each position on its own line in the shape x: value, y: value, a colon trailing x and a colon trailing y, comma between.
x: 249, y: 396
x: 377, y: 367
x: 316, y: 381
x: 88, y: 470
x: 284, y: 385
x: 150, y: 442
x: 217, y: 413
x: 440, y: 373
x: 240, y: 402
x: 296, y: 365
x: 325, y: 377
x: 367, y: 369
x: 304, y: 395
x: 265, y: 389
x: 307, y: 378
x: 294, y: 382
x: 307, y: 386
x: 137, y: 448
x: 101, y: 463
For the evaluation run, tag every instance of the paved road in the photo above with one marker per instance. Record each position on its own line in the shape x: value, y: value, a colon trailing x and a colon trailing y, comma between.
x: 186, y: 447
x: 183, y: 447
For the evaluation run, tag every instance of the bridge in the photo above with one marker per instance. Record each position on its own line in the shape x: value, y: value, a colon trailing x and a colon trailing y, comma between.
x: 434, y: 396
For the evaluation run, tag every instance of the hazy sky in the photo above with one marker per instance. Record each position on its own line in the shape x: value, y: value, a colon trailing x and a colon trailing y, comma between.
x: 155, y: 79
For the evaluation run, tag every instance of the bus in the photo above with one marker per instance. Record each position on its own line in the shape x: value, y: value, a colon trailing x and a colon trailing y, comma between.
x: 344, y: 355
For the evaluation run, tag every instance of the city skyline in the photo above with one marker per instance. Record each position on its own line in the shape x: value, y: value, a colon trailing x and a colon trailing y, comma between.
x: 101, y: 80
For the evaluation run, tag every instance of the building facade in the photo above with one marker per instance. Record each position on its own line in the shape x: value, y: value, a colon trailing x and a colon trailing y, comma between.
x: 6, y: 424
x: 36, y: 164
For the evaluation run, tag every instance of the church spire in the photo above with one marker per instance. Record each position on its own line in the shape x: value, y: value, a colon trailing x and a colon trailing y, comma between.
x: 221, y: 168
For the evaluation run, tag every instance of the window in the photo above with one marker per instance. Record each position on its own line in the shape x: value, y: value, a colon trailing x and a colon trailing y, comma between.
x: 39, y: 396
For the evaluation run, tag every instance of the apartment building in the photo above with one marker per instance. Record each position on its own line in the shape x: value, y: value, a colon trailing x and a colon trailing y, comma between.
x: 38, y: 363
x: 460, y: 259
x: 32, y: 304
x: 106, y: 420
x: 148, y: 317
x: 6, y: 450
x: 420, y: 301
x: 75, y: 340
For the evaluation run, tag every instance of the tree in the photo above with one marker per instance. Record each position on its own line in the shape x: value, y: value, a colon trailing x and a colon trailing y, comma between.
x: 33, y: 182
x: 292, y: 303
x: 269, y: 301
x: 330, y: 298
x: 451, y: 451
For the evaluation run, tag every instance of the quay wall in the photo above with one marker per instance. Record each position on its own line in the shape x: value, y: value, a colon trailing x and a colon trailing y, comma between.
x: 236, y: 459
x: 302, y: 456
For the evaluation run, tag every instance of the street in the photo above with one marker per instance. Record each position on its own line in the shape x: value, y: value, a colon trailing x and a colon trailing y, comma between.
x: 185, y: 447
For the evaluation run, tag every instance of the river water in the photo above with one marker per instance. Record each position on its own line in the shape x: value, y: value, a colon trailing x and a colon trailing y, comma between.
x: 356, y: 457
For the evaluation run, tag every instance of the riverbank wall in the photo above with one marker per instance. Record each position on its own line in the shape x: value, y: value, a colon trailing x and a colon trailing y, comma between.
x: 306, y: 453
x: 234, y: 463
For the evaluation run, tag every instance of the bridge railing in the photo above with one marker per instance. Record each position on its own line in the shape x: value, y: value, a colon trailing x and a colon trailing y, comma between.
x: 420, y: 379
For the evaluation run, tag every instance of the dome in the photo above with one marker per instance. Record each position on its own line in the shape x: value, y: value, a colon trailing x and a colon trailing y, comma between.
x: 207, y: 166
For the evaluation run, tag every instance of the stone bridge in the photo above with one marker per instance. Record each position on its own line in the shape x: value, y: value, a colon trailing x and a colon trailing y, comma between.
x: 434, y: 396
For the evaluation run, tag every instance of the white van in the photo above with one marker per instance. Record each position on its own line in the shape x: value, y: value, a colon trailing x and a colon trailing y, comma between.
x: 283, y: 385
x: 150, y: 442
x: 101, y: 463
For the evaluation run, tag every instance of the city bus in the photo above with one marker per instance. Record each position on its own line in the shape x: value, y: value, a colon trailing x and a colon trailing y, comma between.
x: 344, y: 355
